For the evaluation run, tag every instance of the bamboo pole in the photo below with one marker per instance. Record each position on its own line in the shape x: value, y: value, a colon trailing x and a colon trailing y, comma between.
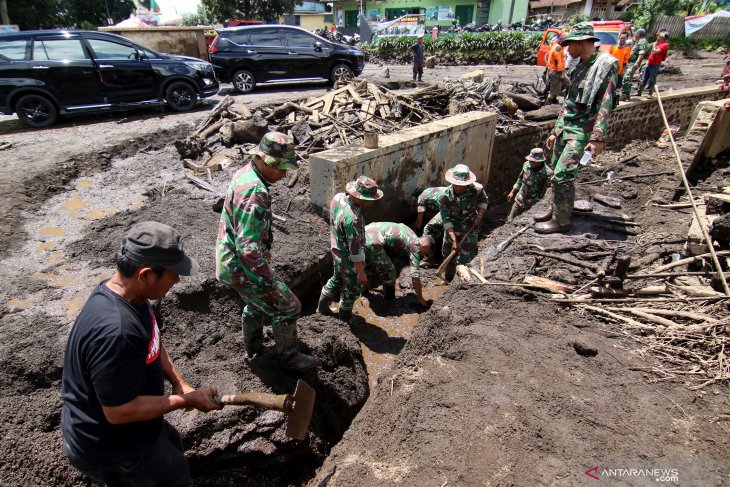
x: 690, y: 195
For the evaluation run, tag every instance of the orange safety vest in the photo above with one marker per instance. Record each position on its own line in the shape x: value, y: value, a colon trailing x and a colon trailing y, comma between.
x: 556, y: 59
x: 622, y: 54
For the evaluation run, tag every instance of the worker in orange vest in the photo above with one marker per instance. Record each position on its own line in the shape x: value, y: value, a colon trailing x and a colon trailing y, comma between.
x: 622, y: 52
x: 557, y: 80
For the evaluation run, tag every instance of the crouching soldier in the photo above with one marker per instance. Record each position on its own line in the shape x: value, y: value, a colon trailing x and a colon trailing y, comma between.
x: 347, y: 240
x: 531, y: 185
x: 386, y: 242
x: 243, y: 253
x: 429, y: 204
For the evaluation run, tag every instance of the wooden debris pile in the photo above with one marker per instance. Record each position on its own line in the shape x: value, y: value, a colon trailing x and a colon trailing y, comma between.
x: 339, y: 118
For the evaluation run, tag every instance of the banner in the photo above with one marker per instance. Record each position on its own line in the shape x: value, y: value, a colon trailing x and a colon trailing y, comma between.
x: 696, y: 22
x: 372, y: 15
x: 402, y: 26
x: 446, y: 13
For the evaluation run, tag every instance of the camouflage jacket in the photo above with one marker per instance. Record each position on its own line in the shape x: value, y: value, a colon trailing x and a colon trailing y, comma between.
x: 244, y: 231
x: 395, y: 238
x: 579, y: 121
x: 641, y: 47
x: 532, y: 184
x: 459, y: 212
x: 430, y: 199
x: 347, y: 228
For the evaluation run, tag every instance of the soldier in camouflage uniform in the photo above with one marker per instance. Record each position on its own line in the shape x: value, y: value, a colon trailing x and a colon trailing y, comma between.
x: 429, y: 204
x: 347, y: 240
x: 531, y: 185
x: 639, y: 54
x: 243, y: 253
x: 581, y: 124
x: 462, y: 208
x: 386, y: 242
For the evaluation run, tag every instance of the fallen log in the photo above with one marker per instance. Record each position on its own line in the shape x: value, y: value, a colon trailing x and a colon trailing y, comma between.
x: 689, y: 260
x: 615, y: 316
x: 505, y: 243
x: 222, y: 105
x: 580, y: 263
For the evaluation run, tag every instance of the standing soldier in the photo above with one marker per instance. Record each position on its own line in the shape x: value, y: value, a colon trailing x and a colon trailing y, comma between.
x: 531, y: 185
x: 557, y: 80
x: 243, y: 253
x: 347, y: 240
x: 418, y: 57
x: 429, y: 204
x: 639, y: 51
x: 462, y: 210
x: 582, y: 123
x: 386, y: 241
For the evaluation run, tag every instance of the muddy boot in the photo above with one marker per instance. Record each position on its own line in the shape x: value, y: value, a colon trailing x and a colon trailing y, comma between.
x: 389, y: 290
x: 544, y: 215
x: 285, y: 336
x: 253, y: 336
x: 563, y: 198
x: 512, y: 213
x: 323, y: 306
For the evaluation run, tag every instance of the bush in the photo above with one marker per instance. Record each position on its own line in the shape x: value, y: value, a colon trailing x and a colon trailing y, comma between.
x: 198, y: 18
x: 684, y: 44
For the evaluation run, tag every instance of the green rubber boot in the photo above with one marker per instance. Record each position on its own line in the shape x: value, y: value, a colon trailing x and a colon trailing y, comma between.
x: 285, y: 336
x: 253, y: 336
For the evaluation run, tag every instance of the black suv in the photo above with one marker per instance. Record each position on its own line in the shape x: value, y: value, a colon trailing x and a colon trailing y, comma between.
x: 47, y: 73
x: 268, y: 54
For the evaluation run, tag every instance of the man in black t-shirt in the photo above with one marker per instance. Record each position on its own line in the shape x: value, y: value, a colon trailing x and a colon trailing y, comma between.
x: 115, y: 366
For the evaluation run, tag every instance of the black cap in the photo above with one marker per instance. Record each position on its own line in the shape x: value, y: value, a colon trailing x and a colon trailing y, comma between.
x: 157, y: 244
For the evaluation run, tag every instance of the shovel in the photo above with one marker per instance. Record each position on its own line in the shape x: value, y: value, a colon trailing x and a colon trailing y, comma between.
x: 298, y: 406
x: 450, y: 257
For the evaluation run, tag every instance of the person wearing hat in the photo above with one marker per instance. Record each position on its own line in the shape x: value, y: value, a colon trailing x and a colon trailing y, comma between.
x: 639, y: 52
x: 461, y: 210
x: 531, y: 185
x: 115, y: 367
x: 582, y: 123
x: 555, y: 65
x: 418, y: 57
x: 388, y: 243
x: 347, y: 240
x: 243, y: 253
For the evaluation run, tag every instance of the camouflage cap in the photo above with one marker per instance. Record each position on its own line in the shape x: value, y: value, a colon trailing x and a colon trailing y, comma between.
x: 460, y: 175
x: 581, y: 32
x: 364, y: 188
x: 536, y: 155
x: 276, y: 150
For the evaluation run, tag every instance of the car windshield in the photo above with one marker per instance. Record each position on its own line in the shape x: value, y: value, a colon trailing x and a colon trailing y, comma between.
x: 607, y: 38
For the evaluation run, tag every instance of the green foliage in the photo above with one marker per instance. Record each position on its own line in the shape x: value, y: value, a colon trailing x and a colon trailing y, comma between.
x: 684, y: 44
x: 645, y: 12
x: 478, y: 41
x: 577, y: 18
x: 222, y: 10
x: 198, y: 18
x: 50, y: 14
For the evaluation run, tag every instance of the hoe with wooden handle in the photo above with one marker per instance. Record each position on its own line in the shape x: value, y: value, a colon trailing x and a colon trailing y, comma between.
x: 450, y: 257
x: 298, y: 407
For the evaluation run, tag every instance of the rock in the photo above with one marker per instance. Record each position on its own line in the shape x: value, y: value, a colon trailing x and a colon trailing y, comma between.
x: 190, y: 148
x: 431, y: 62
x: 716, y: 206
x: 524, y: 102
x: 386, y: 73
x: 477, y: 76
x: 630, y: 194
x: 584, y: 349
x: 302, y: 132
x: 509, y: 105
x: 609, y: 201
x: 720, y: 230
x: 548, y: 112
x: 241, y: 109
x: 222, y: 160
x: 582, y: 205
x: 250, y: 130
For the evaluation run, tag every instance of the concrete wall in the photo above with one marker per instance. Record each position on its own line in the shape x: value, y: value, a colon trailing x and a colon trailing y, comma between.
x: 637, y: 119
x: 405, y: 160
x: 188, y: 41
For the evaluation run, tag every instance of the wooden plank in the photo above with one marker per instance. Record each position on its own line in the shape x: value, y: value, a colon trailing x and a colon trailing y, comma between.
x: 695, y: 241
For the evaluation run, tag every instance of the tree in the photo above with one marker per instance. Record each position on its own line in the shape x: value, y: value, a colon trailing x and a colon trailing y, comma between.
x: 222, y: 10
x: 50, y: 14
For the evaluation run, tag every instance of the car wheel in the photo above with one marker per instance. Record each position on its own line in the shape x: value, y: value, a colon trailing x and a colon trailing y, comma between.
x: 181, y: 96
x: 341, y: 72
x: 244, y: 81
x: 36, y: 111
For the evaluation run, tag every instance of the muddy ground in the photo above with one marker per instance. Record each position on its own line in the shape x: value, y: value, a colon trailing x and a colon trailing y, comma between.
x: 492, y: 390
x: 68, y: 194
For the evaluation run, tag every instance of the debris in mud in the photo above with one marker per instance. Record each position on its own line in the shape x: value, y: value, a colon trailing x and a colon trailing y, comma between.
x: 584, y: 349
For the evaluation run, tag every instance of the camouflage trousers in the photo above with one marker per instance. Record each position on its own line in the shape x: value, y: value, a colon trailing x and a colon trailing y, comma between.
x: 343, y: 283
x: 379, y: 267
x: 628, y: 80
x: 279, y: 306
x: 565, y: 159
x: 435, y: 230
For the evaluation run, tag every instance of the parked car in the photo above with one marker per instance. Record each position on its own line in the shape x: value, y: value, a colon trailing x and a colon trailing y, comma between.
x: 44, y: 74
x: 606, y: 30
x: 253, y: 55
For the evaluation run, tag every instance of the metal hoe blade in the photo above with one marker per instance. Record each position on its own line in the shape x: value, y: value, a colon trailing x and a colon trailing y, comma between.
x: 301, y: 413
